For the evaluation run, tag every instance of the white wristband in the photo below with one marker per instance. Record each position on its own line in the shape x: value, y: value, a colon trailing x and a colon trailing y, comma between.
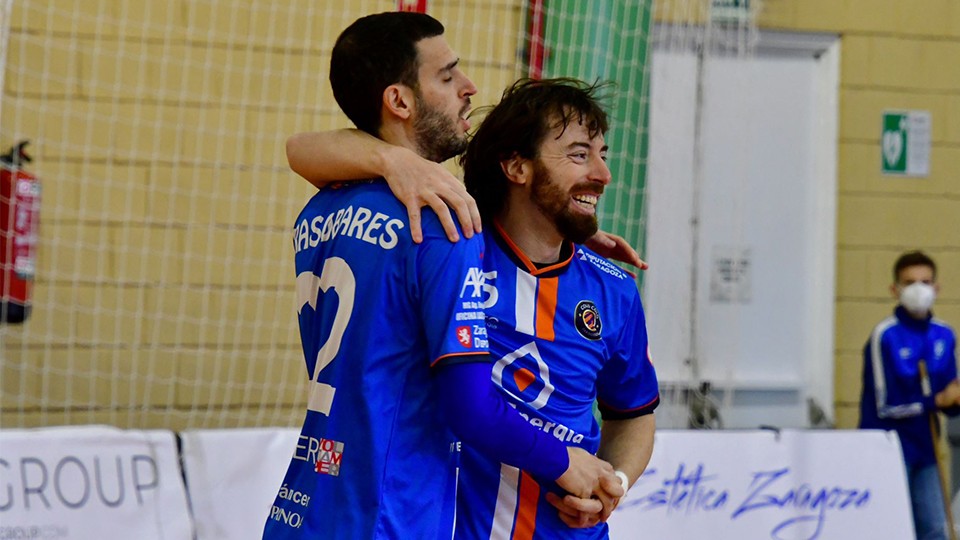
x: 624, y: 481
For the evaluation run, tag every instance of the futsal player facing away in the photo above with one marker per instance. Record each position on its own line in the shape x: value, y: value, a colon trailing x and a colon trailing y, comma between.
x: 394, y: 341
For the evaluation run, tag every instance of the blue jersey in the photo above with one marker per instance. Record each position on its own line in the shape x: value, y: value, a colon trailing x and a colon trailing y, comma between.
x: 894, y: 397
x: 377, y: 312
x: 562, y: 336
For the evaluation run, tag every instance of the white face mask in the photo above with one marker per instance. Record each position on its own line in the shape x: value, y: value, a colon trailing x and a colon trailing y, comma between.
x: 917, y: 298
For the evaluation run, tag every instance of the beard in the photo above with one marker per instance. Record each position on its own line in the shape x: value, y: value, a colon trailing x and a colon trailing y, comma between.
x: 555, y: 203
x: 437, y: 136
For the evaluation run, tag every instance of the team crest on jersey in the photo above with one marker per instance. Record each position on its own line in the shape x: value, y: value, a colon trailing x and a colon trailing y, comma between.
x: 587, y: 320
x: 938, y: 348
x: 464, y: 336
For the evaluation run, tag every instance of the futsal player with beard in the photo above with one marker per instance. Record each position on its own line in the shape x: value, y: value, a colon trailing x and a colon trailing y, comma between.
x: 566, y: 326
x: 395, y: 350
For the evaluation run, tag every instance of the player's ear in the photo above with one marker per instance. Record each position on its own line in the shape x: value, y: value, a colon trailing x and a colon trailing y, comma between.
x: 398, y: 100
x: 517, y: 169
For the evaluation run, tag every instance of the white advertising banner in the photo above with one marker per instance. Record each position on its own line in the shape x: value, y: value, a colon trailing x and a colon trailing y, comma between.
x: 99, y: 482
x: 234, y: 476
x: 787, y: 485
x: 91, y: 482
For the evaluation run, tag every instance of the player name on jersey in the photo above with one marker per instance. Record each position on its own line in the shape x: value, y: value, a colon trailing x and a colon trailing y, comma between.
x: 375, y: 228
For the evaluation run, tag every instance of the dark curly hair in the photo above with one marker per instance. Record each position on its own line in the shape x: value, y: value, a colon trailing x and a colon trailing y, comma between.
x: 526, y: 114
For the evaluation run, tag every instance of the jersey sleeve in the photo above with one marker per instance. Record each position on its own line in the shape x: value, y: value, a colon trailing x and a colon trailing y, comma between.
x: 627, y: 385
x: 951, y: 352
x: 893, y: 400
x: 951, y: 366
x: 481, y: 417
x: 447, y: 274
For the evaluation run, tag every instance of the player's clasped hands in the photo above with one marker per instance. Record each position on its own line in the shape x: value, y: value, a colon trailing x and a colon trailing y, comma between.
x: 593, y: 490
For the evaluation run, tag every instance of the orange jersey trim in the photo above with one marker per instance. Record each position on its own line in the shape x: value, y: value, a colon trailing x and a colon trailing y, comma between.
x: 529, y: 266
x: 527, y: 508
x: 482, y: 356
x: 546, y: 306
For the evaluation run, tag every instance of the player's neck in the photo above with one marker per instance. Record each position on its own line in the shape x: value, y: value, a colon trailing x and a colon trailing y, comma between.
x: 533, y: 233
x: 398, y: 134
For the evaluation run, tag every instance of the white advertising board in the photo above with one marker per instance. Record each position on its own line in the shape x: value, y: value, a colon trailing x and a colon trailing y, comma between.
x: 787, y: 485
x: 91, y: 482
x: 99, y: 482
x: 233, y: 476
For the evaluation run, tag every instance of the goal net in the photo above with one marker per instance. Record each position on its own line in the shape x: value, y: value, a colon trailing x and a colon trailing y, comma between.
x: 163, y: 288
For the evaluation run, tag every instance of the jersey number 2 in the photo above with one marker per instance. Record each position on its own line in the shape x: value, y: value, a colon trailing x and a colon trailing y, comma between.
x: 335, y: 274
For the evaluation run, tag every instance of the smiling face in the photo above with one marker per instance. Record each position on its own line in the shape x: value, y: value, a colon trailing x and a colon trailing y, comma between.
x: 442, y: 101
x: 569, y: 175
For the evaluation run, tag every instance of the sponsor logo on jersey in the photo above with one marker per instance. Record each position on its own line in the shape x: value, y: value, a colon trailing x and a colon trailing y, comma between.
x: 469, y: 315
x: 524, y: 376
x: 303, y: 499
x: 475, y: 285
x: 905, y: 352
x: 330, y: 458
x: 287, y: 517
x: 326, y: 455
x: 601, y: 263
x: 480, y: 337
x: 465, y: 336
x: 587, y: 320
x: 556, y: 429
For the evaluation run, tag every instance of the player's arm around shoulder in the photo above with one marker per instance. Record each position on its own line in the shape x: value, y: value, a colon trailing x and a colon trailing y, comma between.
x: 447, y: 281
x: 436, y: 248
x: 349, y: 155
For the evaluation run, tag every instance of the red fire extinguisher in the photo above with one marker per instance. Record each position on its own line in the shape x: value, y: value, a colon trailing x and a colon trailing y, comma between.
x: 19, y: 226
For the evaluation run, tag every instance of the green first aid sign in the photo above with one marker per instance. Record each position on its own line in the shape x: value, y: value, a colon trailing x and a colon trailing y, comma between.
x: 905, y: 143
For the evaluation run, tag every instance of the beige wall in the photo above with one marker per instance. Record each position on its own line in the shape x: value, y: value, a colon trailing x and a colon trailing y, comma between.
x: 164, y: 289
x: 163, y: 297
x: 894, y: 55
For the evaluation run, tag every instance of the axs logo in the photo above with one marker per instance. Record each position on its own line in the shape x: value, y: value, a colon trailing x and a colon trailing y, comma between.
x: 477, y: 283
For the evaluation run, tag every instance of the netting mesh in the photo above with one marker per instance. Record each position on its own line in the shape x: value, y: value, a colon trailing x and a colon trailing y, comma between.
x: 164, y: 286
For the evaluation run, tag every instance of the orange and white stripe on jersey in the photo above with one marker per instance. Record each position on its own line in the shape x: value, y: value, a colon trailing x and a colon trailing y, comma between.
x: 536, y: 304
x: 536, y: 291
x: 515, y: 515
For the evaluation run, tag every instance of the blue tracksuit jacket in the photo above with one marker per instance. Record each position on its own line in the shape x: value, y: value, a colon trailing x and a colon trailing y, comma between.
x: 894, y: 397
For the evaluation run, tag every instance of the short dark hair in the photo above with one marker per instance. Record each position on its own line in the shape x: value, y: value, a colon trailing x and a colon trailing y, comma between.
x: 518, y: 125
x: 373, y: 53
x: 913, y: 258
